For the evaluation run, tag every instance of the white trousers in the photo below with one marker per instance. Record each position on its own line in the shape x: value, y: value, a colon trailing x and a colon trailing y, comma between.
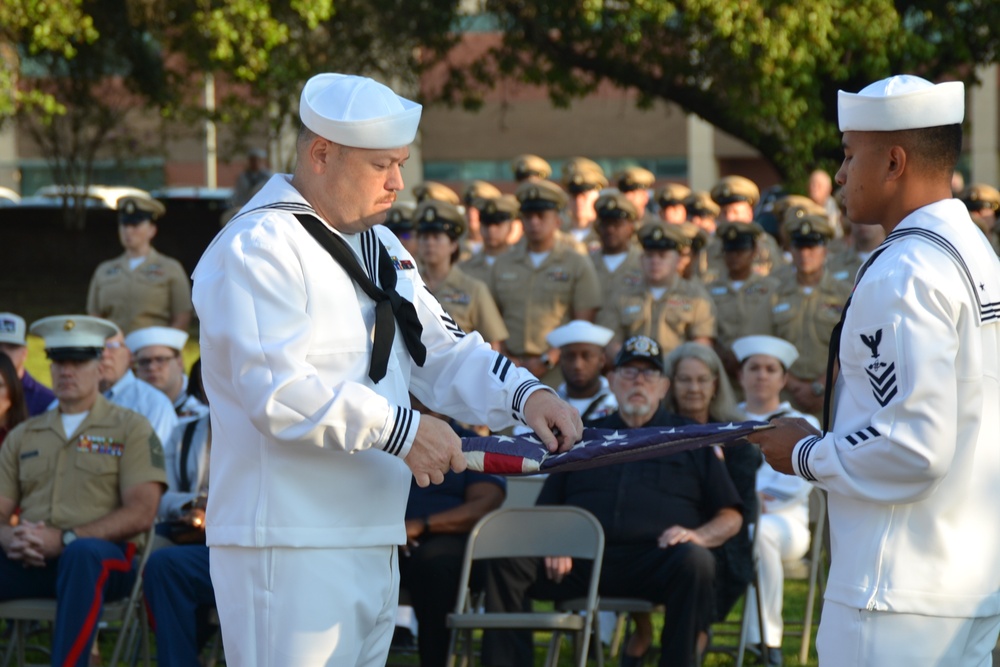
x: 283, y: 607
x: 859, y: 638
x: 782, y: 537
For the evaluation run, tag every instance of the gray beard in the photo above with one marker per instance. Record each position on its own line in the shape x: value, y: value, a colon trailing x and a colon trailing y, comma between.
x: 633, y: 410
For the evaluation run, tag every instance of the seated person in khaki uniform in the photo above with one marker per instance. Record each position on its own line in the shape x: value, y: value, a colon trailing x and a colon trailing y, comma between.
x: 583, y: 180
x: 88, y: 477
x: 617, y: 263
x: 466, y: 301
x: 140, y: 288
x: 805, y: 311
x: 542, y: 284
x: 736, y: 197
x: 665, y: 306
x: 636, y: 183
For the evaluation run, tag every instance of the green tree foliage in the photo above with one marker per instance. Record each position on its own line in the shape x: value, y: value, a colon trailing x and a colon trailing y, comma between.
x: 765, y: 71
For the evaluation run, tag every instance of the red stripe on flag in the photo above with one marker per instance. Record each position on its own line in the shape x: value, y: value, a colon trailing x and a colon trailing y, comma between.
x: 503, y: 464
x: 107, y: 566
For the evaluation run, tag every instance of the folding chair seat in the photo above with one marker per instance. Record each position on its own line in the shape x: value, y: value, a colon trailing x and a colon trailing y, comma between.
x: 531, y: 532
x: 128, y: 612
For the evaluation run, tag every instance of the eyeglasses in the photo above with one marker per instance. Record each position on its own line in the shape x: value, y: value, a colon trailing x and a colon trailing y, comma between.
x: 631, y: 373
x: 149, y: 361
x: 113, y: 345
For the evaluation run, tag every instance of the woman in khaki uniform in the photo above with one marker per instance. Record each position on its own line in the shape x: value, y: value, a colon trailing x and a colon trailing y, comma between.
x: 140, y: 288
x: 466, y: 300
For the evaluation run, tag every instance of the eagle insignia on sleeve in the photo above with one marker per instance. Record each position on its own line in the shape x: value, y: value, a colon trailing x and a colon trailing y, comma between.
x: 881, y: 373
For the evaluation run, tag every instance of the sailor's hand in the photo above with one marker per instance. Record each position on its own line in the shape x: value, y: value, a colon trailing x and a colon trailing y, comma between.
x: 553, y: 420
x: 435, y: 450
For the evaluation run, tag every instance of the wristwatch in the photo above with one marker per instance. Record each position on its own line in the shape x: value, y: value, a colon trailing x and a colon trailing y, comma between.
x: 68, y: 536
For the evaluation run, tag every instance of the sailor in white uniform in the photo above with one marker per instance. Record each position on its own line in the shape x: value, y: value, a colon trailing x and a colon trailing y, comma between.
x: 315, y: 325
x: 911, y: 461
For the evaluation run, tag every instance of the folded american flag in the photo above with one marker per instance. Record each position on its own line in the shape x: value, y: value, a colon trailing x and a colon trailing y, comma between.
x: 525, y: 454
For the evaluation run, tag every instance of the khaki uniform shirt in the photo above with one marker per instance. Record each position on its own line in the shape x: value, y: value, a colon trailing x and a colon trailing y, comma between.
x: 477, y: 267
x: 767, y: 258
x: 805, y: 317
x: 844, y: 265
x: 684, y: 312
x: 71, y: 481
x: 625, y: 279
x: 743, y: 307
x: 469, y: 302
x: 151, y: 295
x: 534, y: 301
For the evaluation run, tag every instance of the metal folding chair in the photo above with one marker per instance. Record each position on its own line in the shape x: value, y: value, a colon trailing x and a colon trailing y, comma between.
x: 802, y: 627
x: 128, y: 612
x: 531, y: 532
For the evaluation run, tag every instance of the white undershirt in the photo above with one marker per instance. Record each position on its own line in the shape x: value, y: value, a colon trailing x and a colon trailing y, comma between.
x: 134, y: 262
x: 537, y: 258
x: 490, y: 259
x: 72, y: 422
x: 657, y: 292
x: 614, y: 261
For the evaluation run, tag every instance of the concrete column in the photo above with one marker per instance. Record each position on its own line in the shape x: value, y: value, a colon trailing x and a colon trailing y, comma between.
x: 10, y: 175
x: 211, y: 141
x: 984, y: 113
x: 703, y: 169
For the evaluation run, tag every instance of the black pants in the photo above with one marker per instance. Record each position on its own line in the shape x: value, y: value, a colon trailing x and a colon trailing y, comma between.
x: 430, y: 573
x: 682, y: 578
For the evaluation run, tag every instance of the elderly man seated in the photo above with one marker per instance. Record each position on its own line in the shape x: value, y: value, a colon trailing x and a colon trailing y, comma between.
x: 661, y: 518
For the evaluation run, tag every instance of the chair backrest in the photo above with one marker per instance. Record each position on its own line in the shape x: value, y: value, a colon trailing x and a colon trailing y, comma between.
x: 537, y: 531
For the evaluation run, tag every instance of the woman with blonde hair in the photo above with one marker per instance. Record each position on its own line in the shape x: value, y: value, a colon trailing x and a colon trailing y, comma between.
x: 700, y: 390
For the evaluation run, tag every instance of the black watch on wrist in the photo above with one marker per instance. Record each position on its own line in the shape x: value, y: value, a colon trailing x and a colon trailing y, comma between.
x: 68, y: 536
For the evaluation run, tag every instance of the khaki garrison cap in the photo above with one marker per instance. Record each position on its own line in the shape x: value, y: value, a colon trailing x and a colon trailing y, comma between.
x: 700, y: 204
x: 133, y: 210
x: 735, y: 188
x: 738, y: 235
x: 73, y: 337
x: 477, y: 191
x: 672, y: 194
x: 499, y: 209
x: 661, y: 236
x: 809, y: 230
x: 615, y: 206
x: 541, y: 196
x: 439, y: 216
x: 527, y: 166
x: 634, y: 178
x: 979, y: 196
x: 436, y: 191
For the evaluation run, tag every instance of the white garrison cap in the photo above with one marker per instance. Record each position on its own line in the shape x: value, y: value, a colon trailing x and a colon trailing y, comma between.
x: 357, y: 111
x: 165, y: 336
x: 902, y: 102
x: 579, y: 331
x: 12, y: 329
x: 73, y: 336
x: 778, y: 348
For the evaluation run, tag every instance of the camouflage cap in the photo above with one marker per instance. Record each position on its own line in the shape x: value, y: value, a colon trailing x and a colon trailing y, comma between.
x: 731, y: 189
x: 634, y: 178
x: 439, y: 216
x: 436, y: 191
x: 672, y: 194
x: 499, y: 209
x: 615, y: 206
x: 980, y: 196
x: 527, y: 165
x: 661, y: 236
x: 540, y: 196
x: 477, y: 191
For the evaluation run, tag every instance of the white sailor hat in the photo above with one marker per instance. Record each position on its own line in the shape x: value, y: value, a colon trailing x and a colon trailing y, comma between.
x: 73, y: 337
x: 778, y: 348
x: 12, y: 329
x: 357, y: 111
x: 579, y: 331
x: 165, y: 336
x: 902, y: 102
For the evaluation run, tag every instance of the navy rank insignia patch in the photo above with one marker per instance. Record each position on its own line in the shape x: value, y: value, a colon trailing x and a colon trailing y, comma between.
x: 881, y: 367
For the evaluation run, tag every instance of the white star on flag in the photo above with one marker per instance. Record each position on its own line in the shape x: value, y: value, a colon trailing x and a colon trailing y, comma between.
x: 616, y: 436
x: 730, y: 427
